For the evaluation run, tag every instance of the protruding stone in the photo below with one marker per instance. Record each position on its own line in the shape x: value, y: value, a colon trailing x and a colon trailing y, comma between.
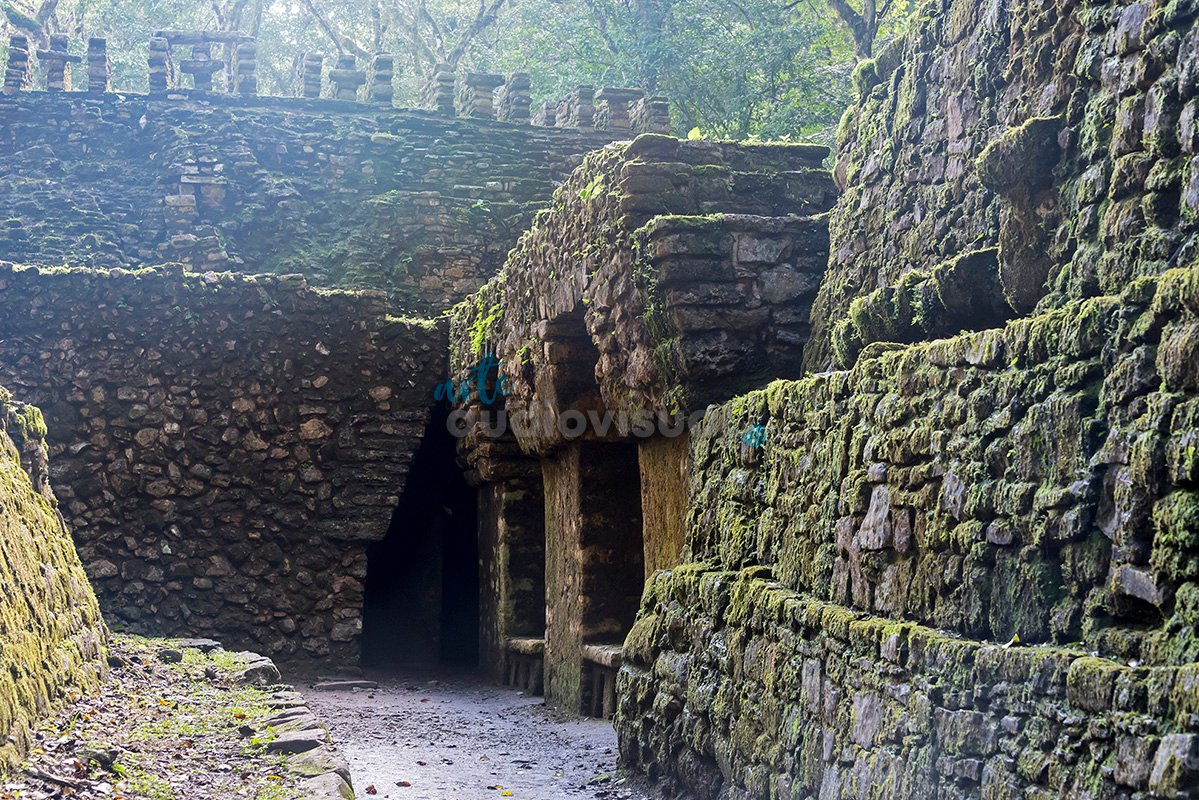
x: 346, y: 78
x: 310, y: 75
x: 547, y: 115
x: 612, y: 108
x: 344, y: 685
x: 19, y: 75
x: 513, y: 99
x: 577, y: 109
x: 438, y: 92
x: 650, y: 115
x: 162, y: 73
x: 99, y: 75
x: 201, y: 66
x: 245, y: 69
x: 477, y: 93
x: 1175, y: 770
x: 382, y: 74
x: 55, y: 61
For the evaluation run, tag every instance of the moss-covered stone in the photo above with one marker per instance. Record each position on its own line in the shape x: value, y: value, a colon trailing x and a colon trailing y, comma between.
x: 51, y: 634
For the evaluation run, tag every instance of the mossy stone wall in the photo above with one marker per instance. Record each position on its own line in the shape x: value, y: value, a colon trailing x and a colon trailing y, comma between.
x: 1003, y: 494
x: 1061, y: 133
x: 51, y: 634
x: 344, y: 193
x: 688, y: 266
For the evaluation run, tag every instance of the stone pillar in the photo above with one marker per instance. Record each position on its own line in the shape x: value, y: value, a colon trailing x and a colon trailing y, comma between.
x: 55, y: 61
x: 310, y: 75
x: 576, y: 110
x: 346, y: 78
x: 18, y: 75
x: 159, y: 62
x: 594, y: 563
x: 477, y: 94
x: 438, y: 92
x: 513, y: 99
x: 245, y: 69
x: 650, y: 115
x: 99, y: 76
x: 512, y: 566
x: 382, y: 71
x: 664, y: 470
x: 612, y: 108
x: 201, y: 66
x: 547, y: 115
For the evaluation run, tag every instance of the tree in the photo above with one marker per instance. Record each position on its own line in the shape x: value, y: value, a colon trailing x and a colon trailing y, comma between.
x: 733, y: 68
x: 864, y: 24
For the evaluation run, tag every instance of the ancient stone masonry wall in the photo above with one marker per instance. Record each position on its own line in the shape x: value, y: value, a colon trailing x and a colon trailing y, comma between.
x: 1018, y: 497
x: 225, y: 447
x: 346, y: 194
x: 51, y: 633
x: 664, y: 275
x: 689, y: 266
x: 1061, y: 133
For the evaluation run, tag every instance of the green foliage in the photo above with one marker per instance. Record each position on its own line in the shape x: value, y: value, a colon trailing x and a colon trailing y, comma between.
x: 593, y: 189
x: 753, y: 69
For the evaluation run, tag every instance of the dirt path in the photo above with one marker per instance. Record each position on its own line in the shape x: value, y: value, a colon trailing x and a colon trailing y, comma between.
x: 457, y: 738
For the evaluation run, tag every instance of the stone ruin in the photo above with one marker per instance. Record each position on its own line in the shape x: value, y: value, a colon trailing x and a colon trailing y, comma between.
x: 227, y: 63
x: 879, y: 479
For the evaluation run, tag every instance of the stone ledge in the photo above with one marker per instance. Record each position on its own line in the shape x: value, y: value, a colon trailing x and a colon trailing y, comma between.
x: 885, y: 701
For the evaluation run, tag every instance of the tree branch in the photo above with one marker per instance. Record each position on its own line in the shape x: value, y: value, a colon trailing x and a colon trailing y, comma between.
x: 483, y: 20
x: 861, y: 28
x: 341, y: 42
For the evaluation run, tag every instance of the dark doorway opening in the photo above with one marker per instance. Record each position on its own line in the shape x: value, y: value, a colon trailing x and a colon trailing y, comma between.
x: 422, y: 582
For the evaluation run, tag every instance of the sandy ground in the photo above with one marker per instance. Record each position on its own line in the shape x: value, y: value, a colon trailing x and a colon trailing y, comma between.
x: 457, y: 737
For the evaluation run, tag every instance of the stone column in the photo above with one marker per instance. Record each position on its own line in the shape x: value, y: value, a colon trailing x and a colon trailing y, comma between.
x: 594, y: 563
x: 513, y: 99
x: 346, y: 78
x: 664, y: 471
x: 576, y: 110
x: 99, y: 76
x: 476, y: 97
x: 438, y: 92
x: 245, y: 70
x: 18, y: 75
x: 650, y: 115
x: 612, y: 108
x: 55, y: 61
x: 512, y: 566
x: 382, y: 72
x: 547, y: 115
x: 159, y: 62
x: 201, y: 66
x: 310, y: 75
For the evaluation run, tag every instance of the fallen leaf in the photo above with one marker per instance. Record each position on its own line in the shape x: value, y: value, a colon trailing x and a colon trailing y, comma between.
x: 371, y: 789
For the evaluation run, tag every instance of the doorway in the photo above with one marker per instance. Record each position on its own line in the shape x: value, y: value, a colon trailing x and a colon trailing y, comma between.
x: 422, y: 582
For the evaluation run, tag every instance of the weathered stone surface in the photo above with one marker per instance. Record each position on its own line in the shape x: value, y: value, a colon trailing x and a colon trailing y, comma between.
x: 330, y: 786
x: 1060, y: 133
x: 51, y: 634
x: 349, y: 195
x: 258, y: 671
x: 301, y: 741
x: 219, y: 441
x: 1176, y: 767
x: 675, y: 310
x: 1007, y: 494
